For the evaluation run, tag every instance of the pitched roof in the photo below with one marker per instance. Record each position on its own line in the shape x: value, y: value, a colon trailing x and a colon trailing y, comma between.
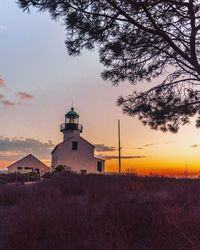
x: 30, y: 155
x: 69, y: 140
x: 98, y: 158
x: 87, y: 141
x: 60, y: 144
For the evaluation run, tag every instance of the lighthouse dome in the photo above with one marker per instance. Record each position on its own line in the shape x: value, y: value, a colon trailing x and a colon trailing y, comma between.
x: 72, y: 113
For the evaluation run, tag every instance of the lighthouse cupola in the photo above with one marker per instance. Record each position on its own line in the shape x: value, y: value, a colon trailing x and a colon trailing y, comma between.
x: 71, y: 117
x: 71, y: 127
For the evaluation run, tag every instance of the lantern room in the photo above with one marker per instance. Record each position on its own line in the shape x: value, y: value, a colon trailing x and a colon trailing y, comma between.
x: 71, y: 122
x: 72, y: 117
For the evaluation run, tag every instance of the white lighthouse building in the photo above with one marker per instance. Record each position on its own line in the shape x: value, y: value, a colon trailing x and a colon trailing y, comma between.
x: 75, y: 152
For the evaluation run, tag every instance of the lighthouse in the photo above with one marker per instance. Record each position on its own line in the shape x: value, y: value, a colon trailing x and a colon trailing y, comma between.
x: 75, y: 152
x: 71, y: 126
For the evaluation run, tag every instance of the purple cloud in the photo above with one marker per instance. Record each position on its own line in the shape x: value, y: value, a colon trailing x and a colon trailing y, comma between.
x: 15, y: 148
x: 112, y: 157
x: 104, y: 148
x: 2, y: 82
x: 8, y: 103
x: 24, y: 95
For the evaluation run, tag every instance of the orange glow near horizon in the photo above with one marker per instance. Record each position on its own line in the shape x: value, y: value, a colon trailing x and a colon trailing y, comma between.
x: 140, y: 167
x: 153, y: 168
x: 155, y: 153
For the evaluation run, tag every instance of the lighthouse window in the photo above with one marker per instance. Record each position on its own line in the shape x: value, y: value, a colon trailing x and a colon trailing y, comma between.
x: 71, y: 120
x: 99, y: 166
x: 74, y: 145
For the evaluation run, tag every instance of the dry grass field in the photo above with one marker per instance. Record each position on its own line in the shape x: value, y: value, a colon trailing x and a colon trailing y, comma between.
x: 97, y: 212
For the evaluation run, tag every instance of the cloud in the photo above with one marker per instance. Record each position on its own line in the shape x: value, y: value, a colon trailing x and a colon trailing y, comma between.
x: 145, y: 146
x: 194, y: 146
x: 14, y: 148
x: 8, y: 103
x: 2, y: 82
x: 168, y: 142
x: 112, y: 157
x: 2, y: 27
x: 150, y: 145
x: 24, y: 95
x: 104, y: 148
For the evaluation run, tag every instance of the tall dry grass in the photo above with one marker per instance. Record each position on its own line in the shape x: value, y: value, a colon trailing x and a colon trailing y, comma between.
x: 94, y: 212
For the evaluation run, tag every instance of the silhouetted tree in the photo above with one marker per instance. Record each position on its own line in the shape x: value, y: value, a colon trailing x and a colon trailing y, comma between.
x: 140, y: 40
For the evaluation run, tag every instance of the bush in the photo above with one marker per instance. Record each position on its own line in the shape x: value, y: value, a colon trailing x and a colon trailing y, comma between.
x: 60, y: 169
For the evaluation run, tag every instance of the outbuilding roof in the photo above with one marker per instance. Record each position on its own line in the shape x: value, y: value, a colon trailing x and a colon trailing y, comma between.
x: 28, y: 156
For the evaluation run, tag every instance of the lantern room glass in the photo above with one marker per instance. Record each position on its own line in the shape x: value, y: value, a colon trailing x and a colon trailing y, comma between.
x: 71, y: 120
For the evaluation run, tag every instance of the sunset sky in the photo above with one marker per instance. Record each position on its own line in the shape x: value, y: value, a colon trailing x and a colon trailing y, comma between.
x: 39, y: 81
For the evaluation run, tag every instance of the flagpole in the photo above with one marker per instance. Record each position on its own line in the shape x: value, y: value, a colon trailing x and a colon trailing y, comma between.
x: 119, y: 139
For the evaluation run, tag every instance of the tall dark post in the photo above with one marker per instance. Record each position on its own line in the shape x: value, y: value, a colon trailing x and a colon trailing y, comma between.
x: 119, y: 146
x: 186, y: 171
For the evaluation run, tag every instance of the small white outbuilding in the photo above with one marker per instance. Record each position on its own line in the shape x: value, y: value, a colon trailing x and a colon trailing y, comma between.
x: 29, y: 164
x: 75, y: 153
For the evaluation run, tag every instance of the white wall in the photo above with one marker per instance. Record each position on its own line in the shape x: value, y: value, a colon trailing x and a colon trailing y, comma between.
x: 83, y: 158
x: 30, y: 162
